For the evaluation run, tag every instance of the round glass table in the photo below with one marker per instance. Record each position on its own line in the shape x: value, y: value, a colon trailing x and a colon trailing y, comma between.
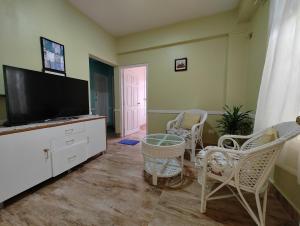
x: 163, y: 155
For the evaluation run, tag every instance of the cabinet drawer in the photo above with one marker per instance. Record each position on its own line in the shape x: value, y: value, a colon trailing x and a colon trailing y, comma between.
x: 67, y: 141
x: 71, y: 129
x: 67, y: 157
x: 74, y: 129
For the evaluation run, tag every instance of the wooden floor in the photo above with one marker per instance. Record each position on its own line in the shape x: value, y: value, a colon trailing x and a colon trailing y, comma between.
x: 111, y: 191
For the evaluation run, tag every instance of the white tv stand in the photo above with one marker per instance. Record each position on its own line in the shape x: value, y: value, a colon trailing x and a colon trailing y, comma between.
x: 33, y: 153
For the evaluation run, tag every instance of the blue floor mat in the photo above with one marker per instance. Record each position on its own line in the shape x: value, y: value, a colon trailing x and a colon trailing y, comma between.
x: 129, y: 142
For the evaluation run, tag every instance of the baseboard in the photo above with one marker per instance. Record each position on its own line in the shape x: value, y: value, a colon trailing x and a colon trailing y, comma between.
x: 293, y: 212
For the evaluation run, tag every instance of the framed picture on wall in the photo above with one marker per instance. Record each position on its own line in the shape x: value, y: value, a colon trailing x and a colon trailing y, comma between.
x: 181, y: 64
x: 53, y: 56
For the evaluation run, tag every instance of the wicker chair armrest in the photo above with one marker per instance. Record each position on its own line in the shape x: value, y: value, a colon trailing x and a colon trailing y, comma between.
x: 196, y: 126
x: 171, y: 124
x: 232, y: 138
x: 237, y: 136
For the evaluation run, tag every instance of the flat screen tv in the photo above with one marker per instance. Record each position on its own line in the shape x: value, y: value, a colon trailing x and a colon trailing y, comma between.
x: 33, y: 96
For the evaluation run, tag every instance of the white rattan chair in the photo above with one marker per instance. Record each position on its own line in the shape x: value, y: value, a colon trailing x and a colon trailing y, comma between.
x: 192, y: 137
x: 242, y: 169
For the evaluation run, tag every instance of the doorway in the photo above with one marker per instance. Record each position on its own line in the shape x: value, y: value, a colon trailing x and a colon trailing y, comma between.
x: 102, y: 92
x: 134, y: 99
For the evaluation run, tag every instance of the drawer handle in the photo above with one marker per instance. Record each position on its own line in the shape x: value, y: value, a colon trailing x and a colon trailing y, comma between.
x: 69, y: 131
x: 69, y: 142
x: 72, y: 157
x: 46, y: 151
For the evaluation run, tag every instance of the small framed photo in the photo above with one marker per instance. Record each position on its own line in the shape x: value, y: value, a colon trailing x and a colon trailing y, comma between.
x: 181, y: 64
x: 53, y: 56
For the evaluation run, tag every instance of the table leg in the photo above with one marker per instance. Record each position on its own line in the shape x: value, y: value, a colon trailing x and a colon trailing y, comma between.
x: 154, y: 173
x: 182, y: 158
x: 154, y: 179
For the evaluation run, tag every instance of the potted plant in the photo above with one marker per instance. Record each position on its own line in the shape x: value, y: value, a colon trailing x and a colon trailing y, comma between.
x: 234, y: 121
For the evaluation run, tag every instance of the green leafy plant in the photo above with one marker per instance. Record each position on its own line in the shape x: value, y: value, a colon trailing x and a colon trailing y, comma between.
x: 234, y: 121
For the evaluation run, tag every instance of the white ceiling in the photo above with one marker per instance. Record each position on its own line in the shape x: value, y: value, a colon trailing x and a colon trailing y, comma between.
x: 121, y: 17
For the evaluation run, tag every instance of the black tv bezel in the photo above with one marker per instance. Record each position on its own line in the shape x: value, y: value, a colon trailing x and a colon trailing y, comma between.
x: 43, y: 57
x: 6, y: 94
x: 9, y: 122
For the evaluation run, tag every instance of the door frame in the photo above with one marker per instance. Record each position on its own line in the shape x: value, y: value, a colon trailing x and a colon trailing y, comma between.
x: 121, y: 84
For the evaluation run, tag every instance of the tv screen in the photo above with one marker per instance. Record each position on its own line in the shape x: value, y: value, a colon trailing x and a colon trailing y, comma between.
x: 36, y: 96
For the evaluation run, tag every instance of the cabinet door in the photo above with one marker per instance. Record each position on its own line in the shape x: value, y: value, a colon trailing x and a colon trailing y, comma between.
x: 96, y: 130
x: 24, y: 161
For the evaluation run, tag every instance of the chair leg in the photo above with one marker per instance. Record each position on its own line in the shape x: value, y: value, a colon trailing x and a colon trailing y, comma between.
x: 247, y: 207
x: 201, y: 143
x: 265, y: 205
x: 259, y: 209
x: 193, y: 152
x: 182, y: 166
x: 154, y: 179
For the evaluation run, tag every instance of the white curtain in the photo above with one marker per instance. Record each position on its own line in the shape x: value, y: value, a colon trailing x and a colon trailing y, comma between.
x: 279, y: 95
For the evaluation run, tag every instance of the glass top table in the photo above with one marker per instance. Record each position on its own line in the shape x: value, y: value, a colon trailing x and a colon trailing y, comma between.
x: 161, y: 153
x: 160, y: 139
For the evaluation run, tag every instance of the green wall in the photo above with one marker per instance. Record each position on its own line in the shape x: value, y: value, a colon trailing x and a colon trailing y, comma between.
x: 287, y: 184
x: 257, y: 53
x: 2, y: 109
x: 180, y: 90
x: 217, y: 51
x: 202, y: 86
x: 23, y: 22
x: 205, y: 27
